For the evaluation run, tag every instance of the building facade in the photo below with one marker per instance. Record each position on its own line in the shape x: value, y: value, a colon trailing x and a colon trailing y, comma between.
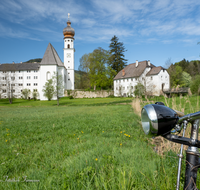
x: 154, y: 79
x: 18, y: 76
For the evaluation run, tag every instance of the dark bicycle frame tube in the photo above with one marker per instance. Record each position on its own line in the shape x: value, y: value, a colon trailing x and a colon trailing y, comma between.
x: 192, y: 154
x: 192, y: 160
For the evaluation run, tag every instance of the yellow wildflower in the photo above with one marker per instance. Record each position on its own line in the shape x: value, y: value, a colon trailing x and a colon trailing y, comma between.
x: 6, y: 140
x: 96, y: 159
x: 120, y: 144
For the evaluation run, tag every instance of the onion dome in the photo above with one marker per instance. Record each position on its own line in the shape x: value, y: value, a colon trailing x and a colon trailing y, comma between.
x: 68, y: 32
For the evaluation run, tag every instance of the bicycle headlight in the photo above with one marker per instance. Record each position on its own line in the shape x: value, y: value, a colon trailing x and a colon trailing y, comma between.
x: 158, y: 119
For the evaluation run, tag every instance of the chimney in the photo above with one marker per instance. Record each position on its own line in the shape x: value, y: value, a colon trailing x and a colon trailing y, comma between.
x: 123, y: 72
x: 149, y: 64
x: 136, y: 63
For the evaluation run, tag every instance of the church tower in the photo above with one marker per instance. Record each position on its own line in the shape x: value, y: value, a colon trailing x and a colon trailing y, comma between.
x: 69, y: 50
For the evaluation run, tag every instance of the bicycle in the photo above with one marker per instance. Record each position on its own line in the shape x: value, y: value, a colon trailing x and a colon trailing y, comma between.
x: 157, y: 119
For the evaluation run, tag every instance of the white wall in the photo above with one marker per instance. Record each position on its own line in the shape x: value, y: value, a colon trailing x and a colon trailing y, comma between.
x: 152, y: 83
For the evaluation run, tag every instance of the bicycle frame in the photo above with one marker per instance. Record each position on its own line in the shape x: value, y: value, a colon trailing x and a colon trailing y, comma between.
x: 192, y: 156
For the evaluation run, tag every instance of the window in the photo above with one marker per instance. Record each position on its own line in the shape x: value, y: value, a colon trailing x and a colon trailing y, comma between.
x: 28, y: 84
x: 68, y: 46
x: 136, y: 79
x: 34, y: 90
x: 20, y: 77
x: 119, y: 81
x: 4, y: 71
x: 127, y: 80
x: 28, y: 77
x: 4, y: 78
x: 12, y: 78
x: 127, y: 87
x: 20, y: 84
x: 68, y: 73
x: 12, y: 90
x: 35, y: 77
x: 123, y: 88
x: 68, y: 61
x: 35, y: 71
x: 3, y: 84
x: 19, y: 71
x: 48, y: 75
x: 12, y: 71
x: 28, y: 71
x: 116, y: 88
x: 12, y: 84
x: 132, y: 79
x: 35, y: 84
x: 116, y: 81
x: 68, y: 79
x: 4, y: 91
x: 68, y: 67
x: 71, y: 40
x: 131, y: 87
x: 151, y: 78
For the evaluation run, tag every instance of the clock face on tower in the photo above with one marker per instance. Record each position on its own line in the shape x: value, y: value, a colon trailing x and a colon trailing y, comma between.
x: 68, y: 55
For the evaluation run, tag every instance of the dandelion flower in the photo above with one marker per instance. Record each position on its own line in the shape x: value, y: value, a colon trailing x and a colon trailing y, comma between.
x: 103, y: 131
x: 6, y: 140
x: 121, y: 132
x: 82, y: 132
x: 96, y: 159
x: 129, y: 136
x: 120, y: 144
x: 78, y: 138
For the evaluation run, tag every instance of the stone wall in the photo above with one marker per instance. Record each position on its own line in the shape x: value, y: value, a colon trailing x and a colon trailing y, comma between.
x: 89, y: 94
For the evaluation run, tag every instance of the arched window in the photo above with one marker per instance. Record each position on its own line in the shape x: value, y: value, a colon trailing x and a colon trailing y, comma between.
x: 68, y: 46
x: 48, y: 75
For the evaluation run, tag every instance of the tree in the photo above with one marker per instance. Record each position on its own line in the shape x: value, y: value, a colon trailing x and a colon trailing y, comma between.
x: 97, y: 68
x: 26, y: 92
x: 117, y: 60
x: 186, y: 79
x: 195, y: 85
x: 59, y: 87
x: 9, y: 78
x: 139, y: 90
x: 49, y: 89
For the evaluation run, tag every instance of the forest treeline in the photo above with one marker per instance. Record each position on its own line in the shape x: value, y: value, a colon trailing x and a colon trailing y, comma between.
x: 185, y: 74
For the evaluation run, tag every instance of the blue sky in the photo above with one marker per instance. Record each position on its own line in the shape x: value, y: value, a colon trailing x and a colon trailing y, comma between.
x: 155, y: 30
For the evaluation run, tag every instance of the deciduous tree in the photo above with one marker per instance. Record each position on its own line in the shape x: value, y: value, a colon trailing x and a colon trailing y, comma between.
x: 49, y: 89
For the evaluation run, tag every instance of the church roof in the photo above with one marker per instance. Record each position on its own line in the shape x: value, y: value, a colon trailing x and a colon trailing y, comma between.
x: 51, y: 57
x: 131, y: 71
x: 19, y: 66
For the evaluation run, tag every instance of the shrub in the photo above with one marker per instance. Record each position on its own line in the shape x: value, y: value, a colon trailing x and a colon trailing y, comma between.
x: 25, y: 93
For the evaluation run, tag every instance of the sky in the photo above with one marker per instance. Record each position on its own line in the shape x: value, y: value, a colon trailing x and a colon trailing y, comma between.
x: 155, y: 30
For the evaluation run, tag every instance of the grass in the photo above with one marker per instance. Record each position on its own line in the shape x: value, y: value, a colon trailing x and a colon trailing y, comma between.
x: 82, y: 144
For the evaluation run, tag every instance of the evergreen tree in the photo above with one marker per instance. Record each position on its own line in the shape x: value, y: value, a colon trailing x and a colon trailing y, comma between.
x: 117, y: 60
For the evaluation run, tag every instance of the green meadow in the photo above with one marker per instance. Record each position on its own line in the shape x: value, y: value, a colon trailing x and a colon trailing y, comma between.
x: 93, y: 143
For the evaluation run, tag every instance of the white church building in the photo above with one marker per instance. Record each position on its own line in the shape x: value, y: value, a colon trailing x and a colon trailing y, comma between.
x: 18, y: 76
x: 154, y: 79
